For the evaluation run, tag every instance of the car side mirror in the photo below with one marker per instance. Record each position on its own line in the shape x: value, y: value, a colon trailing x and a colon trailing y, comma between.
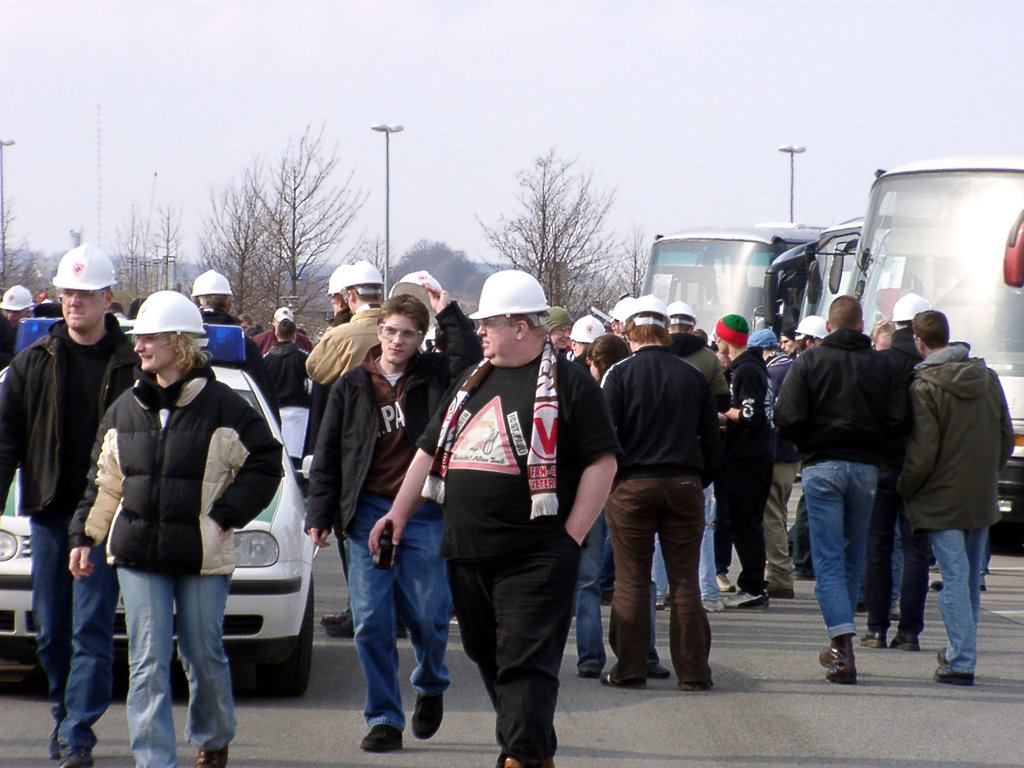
x: 1013, y: 259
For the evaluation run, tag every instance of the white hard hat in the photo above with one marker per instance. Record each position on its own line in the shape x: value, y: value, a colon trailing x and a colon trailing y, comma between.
x: 683, y: 311
x: 352, y: 275
x: 168, y: 312
x: 415, y: 284
x: 85, y: 268
x: 621, y: 310
x: 211, y: 283
x: 17, y: 299
x: 903, y: 311
x: 813, y: 326
x: 654, y: 310
x: 586, y: 329
x: 510, y: 292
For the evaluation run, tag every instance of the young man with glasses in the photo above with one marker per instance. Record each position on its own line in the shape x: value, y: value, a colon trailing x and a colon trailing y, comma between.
x: 54, y: 396
x: 374, y: 415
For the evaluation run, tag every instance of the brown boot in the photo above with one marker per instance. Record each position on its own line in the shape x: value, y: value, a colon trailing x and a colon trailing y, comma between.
x: 838, y: 660
x: 511, y: 762
x: 212, y: 758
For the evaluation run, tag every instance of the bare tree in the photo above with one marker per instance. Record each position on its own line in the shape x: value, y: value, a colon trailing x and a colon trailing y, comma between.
x: 235, y: 242
x: 167, y: 243
x: 559, y: 235
x: 306, y: 213
x: 632, y: 268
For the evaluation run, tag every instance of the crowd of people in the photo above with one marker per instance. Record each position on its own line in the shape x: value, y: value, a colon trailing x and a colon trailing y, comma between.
x: 495, y: 468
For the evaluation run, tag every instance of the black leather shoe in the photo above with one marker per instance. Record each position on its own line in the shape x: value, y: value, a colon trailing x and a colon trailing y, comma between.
x: 952, y: 677
x: 338, y: 624
x: 382, y: 738
x: 427, y: 716
x: 589, y: 671
x: 904, y: 642
x: 658, y: 672
x: 873, y: 640
x: 636, y: 683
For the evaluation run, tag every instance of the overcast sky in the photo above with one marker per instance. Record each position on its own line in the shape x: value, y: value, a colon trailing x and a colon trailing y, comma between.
x: 679, y: 106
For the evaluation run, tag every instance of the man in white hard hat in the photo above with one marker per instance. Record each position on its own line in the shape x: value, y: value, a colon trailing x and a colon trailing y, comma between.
x: 361, y: 287
x: 889, y: 513
x: 211, y: 292
x: 810, y: 331
x: 55, y: 394
x: 17, y: 304
x: 522, y: 458
x: 267, y: 339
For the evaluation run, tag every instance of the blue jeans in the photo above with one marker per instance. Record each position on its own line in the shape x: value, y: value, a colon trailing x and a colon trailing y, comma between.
x: 658, y: 573
x: 75, y: 626
x: 840, y: 496
x: 152, y: 602
x: 589, y: 633
x: 960, y: 556
x: 415, y: 591
x: 708, y: 582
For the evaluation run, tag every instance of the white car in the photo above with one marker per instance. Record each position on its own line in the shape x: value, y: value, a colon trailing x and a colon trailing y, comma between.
x: 268, y: 620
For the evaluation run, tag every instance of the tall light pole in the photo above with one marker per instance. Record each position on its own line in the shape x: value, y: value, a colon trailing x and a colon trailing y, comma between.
x: 387, y: 130
x: 3, y: 211
x: 792, y: 151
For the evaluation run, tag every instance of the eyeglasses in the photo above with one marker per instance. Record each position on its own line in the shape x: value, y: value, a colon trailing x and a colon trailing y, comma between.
x: 390, y: 332
x: 152, y: 339
x: 492, y: 323
x: 70, y: 294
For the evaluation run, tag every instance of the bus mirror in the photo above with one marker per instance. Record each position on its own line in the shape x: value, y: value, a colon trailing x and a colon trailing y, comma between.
x: 771, y: 294
x: 835, y: 273
x: 1013, y: 259
x: 813, y: 283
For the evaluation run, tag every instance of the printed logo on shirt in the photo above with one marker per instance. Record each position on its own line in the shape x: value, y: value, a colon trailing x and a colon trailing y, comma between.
x: 484, y: 443
x: 392, y: 417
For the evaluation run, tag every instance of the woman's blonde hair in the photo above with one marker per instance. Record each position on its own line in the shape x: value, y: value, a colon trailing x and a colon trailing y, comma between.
x: 187, y: 351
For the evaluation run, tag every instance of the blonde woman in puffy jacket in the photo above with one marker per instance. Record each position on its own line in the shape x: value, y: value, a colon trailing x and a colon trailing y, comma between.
x: 180, y: 462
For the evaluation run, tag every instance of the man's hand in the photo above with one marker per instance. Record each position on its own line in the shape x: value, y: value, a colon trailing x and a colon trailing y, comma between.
x: 319, y: 537
x: 438, y: 299
x: 397, y: 526
x: 79, y: 563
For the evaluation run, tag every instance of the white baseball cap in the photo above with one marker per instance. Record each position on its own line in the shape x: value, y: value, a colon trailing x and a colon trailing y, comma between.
x: 284, y: 313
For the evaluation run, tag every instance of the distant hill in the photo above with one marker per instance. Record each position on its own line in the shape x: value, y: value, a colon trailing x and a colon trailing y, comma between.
x: 458, y: 275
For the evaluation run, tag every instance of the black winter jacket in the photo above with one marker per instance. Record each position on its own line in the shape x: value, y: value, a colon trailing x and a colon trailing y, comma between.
x: 903, y: 356
x: 32, y: 416
x: 169, y: 463
x: 286, y: 367
x: 664, y: 416
x: 348, y: 431
x: 841, y: 400
x: 750, y: 438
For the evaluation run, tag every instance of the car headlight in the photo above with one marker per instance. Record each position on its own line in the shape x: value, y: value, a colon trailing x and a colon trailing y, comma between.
x: 8, y: 546
x: 255, y: 549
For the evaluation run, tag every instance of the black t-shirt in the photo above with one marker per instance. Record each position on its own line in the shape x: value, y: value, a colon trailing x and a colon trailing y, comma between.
x: 487, y: 496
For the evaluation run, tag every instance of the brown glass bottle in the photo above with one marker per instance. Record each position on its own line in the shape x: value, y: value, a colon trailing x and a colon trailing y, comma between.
x: 385, y: 555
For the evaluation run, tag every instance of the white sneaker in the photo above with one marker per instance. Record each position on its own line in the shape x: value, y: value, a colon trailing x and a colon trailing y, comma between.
x: 713, y: 606
x: 746, y: 600
x: 724, y: 585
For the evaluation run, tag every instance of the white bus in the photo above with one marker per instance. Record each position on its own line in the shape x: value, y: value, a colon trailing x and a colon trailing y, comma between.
x: 720, y: 271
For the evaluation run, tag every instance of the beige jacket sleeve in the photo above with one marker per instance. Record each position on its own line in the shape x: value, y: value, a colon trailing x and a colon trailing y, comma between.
x: 108, y: 489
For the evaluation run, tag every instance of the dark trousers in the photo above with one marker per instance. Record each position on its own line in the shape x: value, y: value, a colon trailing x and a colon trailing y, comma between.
x: 800, y: 541
x: 747, y: 484
x: 674, y: 509
x: 514, y: 615
x: 889, y: 512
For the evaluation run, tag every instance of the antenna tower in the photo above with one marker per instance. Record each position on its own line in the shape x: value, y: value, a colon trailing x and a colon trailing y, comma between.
x: 99, y: 177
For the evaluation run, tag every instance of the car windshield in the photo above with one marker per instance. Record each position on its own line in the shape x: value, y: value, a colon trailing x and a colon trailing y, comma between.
x: 715, y: 277
x: 943, y: 235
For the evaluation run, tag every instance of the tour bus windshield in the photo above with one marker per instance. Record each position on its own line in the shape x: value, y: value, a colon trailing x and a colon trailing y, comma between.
x: 715, y: 277
x: 942, y: 235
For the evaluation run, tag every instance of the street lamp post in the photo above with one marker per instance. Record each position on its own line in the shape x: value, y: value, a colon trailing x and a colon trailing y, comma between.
x: 3, y: 211
x: 791, y: 150
x: 387, y: 130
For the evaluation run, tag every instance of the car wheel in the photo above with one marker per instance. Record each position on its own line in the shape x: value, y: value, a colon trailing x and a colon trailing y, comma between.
x: 291, y: 676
